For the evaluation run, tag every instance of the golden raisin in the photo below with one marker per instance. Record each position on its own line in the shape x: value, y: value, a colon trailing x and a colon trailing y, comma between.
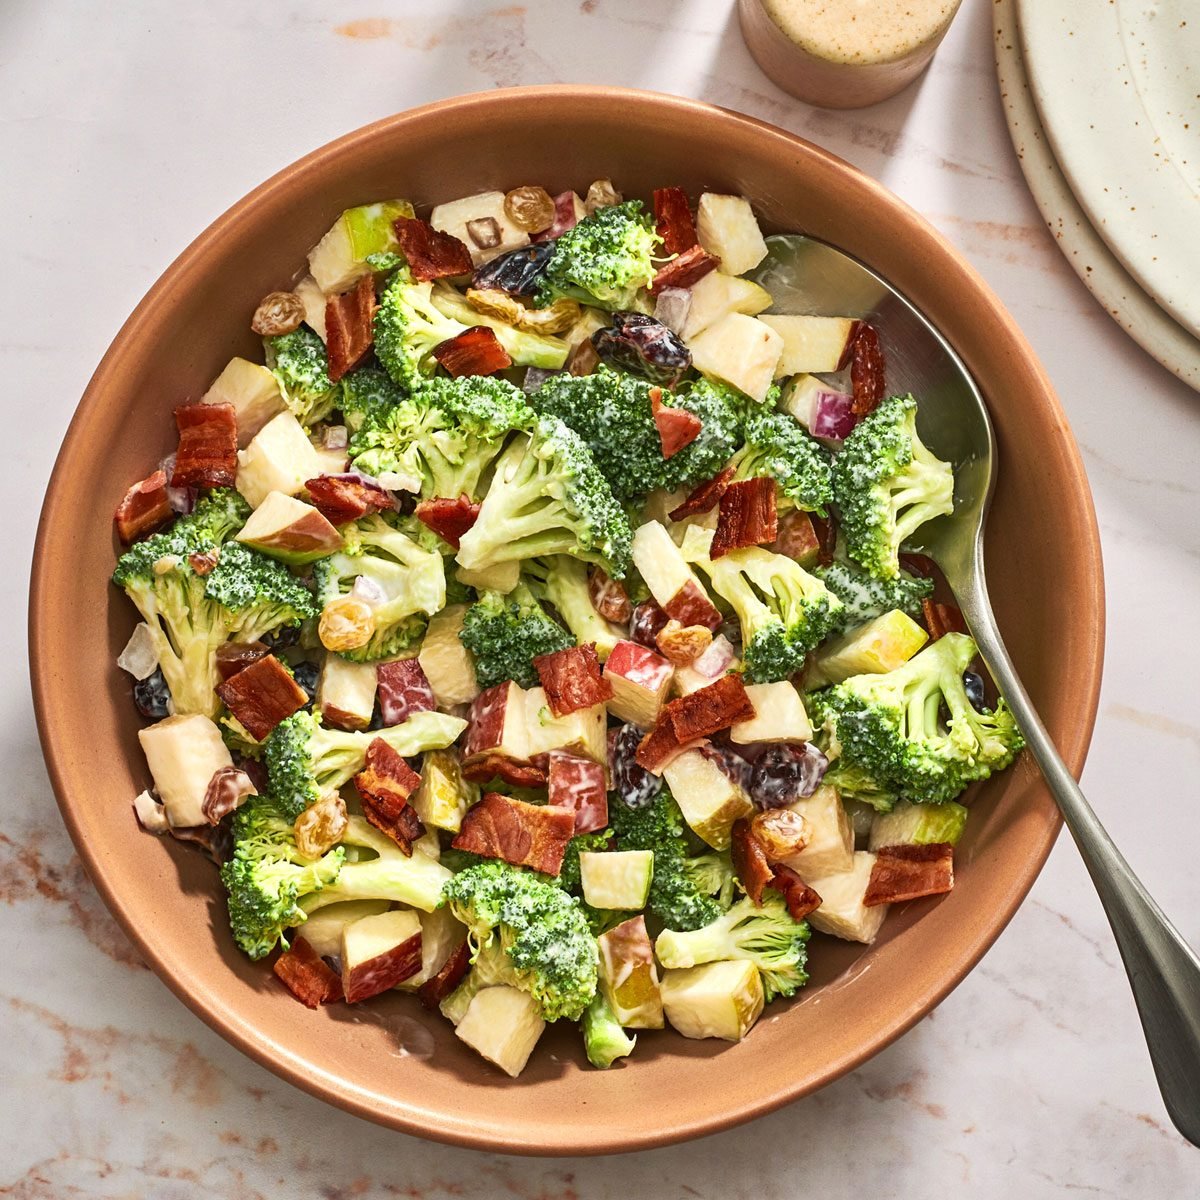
x: 320, y: 826
x: 530, y: 208
x: 346, y: 623
x: 555, y: 318
x: 683, y: 644
x: 279, y: 312
x: 601, y: 194
x: 781, y: 832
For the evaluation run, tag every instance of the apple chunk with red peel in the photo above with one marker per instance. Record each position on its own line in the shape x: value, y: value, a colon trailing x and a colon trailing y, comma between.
x: 709, y: 800
x: 672, y: 582
x: 380, y: 952
x: 346, y: 693
x: 498, y: 723
x: 629, y: 975
x: 640, y: 682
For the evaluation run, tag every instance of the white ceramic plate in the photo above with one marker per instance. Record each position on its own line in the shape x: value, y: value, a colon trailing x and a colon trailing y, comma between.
x: 1139, y: 315
x: 1116, y: 85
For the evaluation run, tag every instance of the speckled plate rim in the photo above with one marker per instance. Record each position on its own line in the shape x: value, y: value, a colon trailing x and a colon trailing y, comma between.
x: 448, y: 1127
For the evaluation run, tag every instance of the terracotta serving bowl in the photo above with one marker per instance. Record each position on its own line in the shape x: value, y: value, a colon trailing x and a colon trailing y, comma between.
x: 389, y: 1060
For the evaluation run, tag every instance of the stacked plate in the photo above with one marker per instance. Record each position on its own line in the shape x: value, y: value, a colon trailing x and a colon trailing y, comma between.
x: 1103, y: 104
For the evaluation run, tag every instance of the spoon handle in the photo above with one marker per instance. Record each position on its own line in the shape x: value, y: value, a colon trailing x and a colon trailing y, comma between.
x: 1163, y: 970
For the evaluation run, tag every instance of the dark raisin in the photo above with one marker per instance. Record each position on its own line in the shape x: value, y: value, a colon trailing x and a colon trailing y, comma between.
x: 973, y: 682
x: 281, y: 637
x: 518, y: 272
x: 785, y: 773
x: 152, y: 696
x: 634, y: 784
x: 732, y: 764
x: 646, y: 623
x: 306, y: 675
x: 642, y: 346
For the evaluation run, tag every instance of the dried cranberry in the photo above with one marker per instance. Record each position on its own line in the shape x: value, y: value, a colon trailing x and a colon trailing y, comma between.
x: 732, y: 764
x: 973, y: 682
x: 635, y: 785
x: 306, y: 675
x: 152, y: 696
x: 786, y: 773
x: 646, y: 623
x: 517, y: 272
x: 639, y: 344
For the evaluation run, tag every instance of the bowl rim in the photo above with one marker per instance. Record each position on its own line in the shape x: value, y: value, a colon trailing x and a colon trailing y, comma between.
x: 336, y: 1091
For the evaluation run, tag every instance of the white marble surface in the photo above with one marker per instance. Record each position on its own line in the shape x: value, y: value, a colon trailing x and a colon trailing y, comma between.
x: 124, y: 129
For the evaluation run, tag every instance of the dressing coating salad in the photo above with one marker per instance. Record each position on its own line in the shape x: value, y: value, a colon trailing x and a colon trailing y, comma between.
x: 533, y: 629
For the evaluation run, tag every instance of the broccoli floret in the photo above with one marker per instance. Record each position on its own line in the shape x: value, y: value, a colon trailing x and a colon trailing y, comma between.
x: 547, y: 496
x: 713, y: 874
x: 913, y: 731
x: 719, y: 408
x: 562, y: 581
x: 604, y: 1041
x: 505, y: 633
x: 305, y: 760
x: 368, y: 395
x: 260, y: 591
x: 777, y: 446
x: 537, y: 926
x: 864, y: 597
x: 267, y: 876
x: 408, y: 325
x: 887, y: 484
x: 854, y: 783
x: 410, y: 579
x: 604, y: 261
x: 677, y: 897
x: 299, y: 362
x: 768, y: 936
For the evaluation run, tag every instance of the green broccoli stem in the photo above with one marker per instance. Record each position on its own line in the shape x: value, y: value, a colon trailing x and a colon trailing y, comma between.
x: 604, y: 1041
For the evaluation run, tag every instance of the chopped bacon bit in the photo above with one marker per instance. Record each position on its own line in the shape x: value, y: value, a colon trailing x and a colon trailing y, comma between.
x: 747, y: 516
x: 434, y: 990
x: 475, y: 351
x: 683, y: 644
x: 307, y: 976
x: 261, y: 695
x: 708, y: 709
x: 909, y: 872
x: 677, y: 428
x: 750, y: 863
x: 645, y: 622
x: 203, y: 564
x: 673, y: 220
x: 233, y: 657
x: 572, y: 679
x: 343, y: 498
x: 404, y: 689
x: 449, y: 519
x: 704, y: 497
x: 660, y: 747
x: 691, y: 606
x: 431, y: 253
x: 385, y: 784
x: 483, y: 768
x: 797, y: 895
x: 349, y: 332
x: 690, y: 267
x: 797, y: 539
x: 526, y: 835
x: 864, y: 356
x: 608, y: 596
x: 208, y: 442
x: 941, y: 619
x: 143, y: 508
x: 578, y: 783
x: 826, y: 528
x: 227, y: 788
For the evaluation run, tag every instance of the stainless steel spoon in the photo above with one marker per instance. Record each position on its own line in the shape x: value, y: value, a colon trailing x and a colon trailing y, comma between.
x: 807, y: 276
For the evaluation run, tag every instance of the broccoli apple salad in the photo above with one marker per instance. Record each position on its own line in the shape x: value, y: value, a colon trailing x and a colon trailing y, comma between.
x: 533, y: 629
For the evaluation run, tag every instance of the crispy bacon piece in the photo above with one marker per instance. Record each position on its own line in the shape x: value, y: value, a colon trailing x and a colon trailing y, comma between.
x: 349, y: 332
x: 207, y: 454
x: 797, y: 539
x: 691, y: 606
x: 660, y: 747
x: 797, y: 895
x: 343, y: 498
x: 673, y: 220
x: 677, y: 428
x: 750, y: 863
x: 227, y: 788
x: 385, y: 784
x: 747, y: 516
x: 709, y: 709
x: 434, y: 990
x: 483, y: 768
x: 143, y: 508
x: 475, y: 351
x: 261, y: 695
x: 572, y: 679
x: 578, y: 783
x: 608, y: 596
x: 703, y: 497
x: 941, y: 619
x: 431, y: 253
x: 449, y: 519
x: 826, y: 528
x: 526, y: 835
x: 403, y: 689
x: 307, y: 976
x: 690, y: 267
x: 909, y: 872
x: 864, y: 356
x: 233, y: 657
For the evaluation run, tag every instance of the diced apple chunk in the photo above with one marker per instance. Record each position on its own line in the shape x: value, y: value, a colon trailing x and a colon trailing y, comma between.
x: 314, y: 301
x: 727, y: 227
x: 379, y: 952
x: 339, y: 258
x: 346, y: 692
x: 842, y: 912
x: 584, y: 731
x: 183, y: 753
x: 278, y: 459
x: 330, y: 460
x: 616, y: 879
x: 741, y: 351
x: 811, y: 345
x: 503, y: 1025
x: 831, y: 847
x: 640, y: 681
x: 779, y: 715
x: 252, y: 390
x: 290, y: 530
x: 481, y: 223
x: 446, y: 661
x: 499, y: 722
x: 709, y: 800
x: 715, y: 1000
x: 875, y: 648
x: 441, y: 935
x: 661, y: 563
x: 502, y: 577
x: 323, y: 930
x: 717, y: 295
x: 629, y: 975
x: 444, y: 795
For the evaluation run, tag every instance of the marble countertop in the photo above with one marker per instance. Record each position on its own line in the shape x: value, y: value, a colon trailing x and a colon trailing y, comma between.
x: 124, y: 129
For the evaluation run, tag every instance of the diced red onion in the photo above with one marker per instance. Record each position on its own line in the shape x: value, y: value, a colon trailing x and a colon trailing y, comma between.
x: 140, y: 656
x: 335, y: 437
x: 368, y: 591
x: 535, y: 377
x: 716, y: 659
x: 672, y: 308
